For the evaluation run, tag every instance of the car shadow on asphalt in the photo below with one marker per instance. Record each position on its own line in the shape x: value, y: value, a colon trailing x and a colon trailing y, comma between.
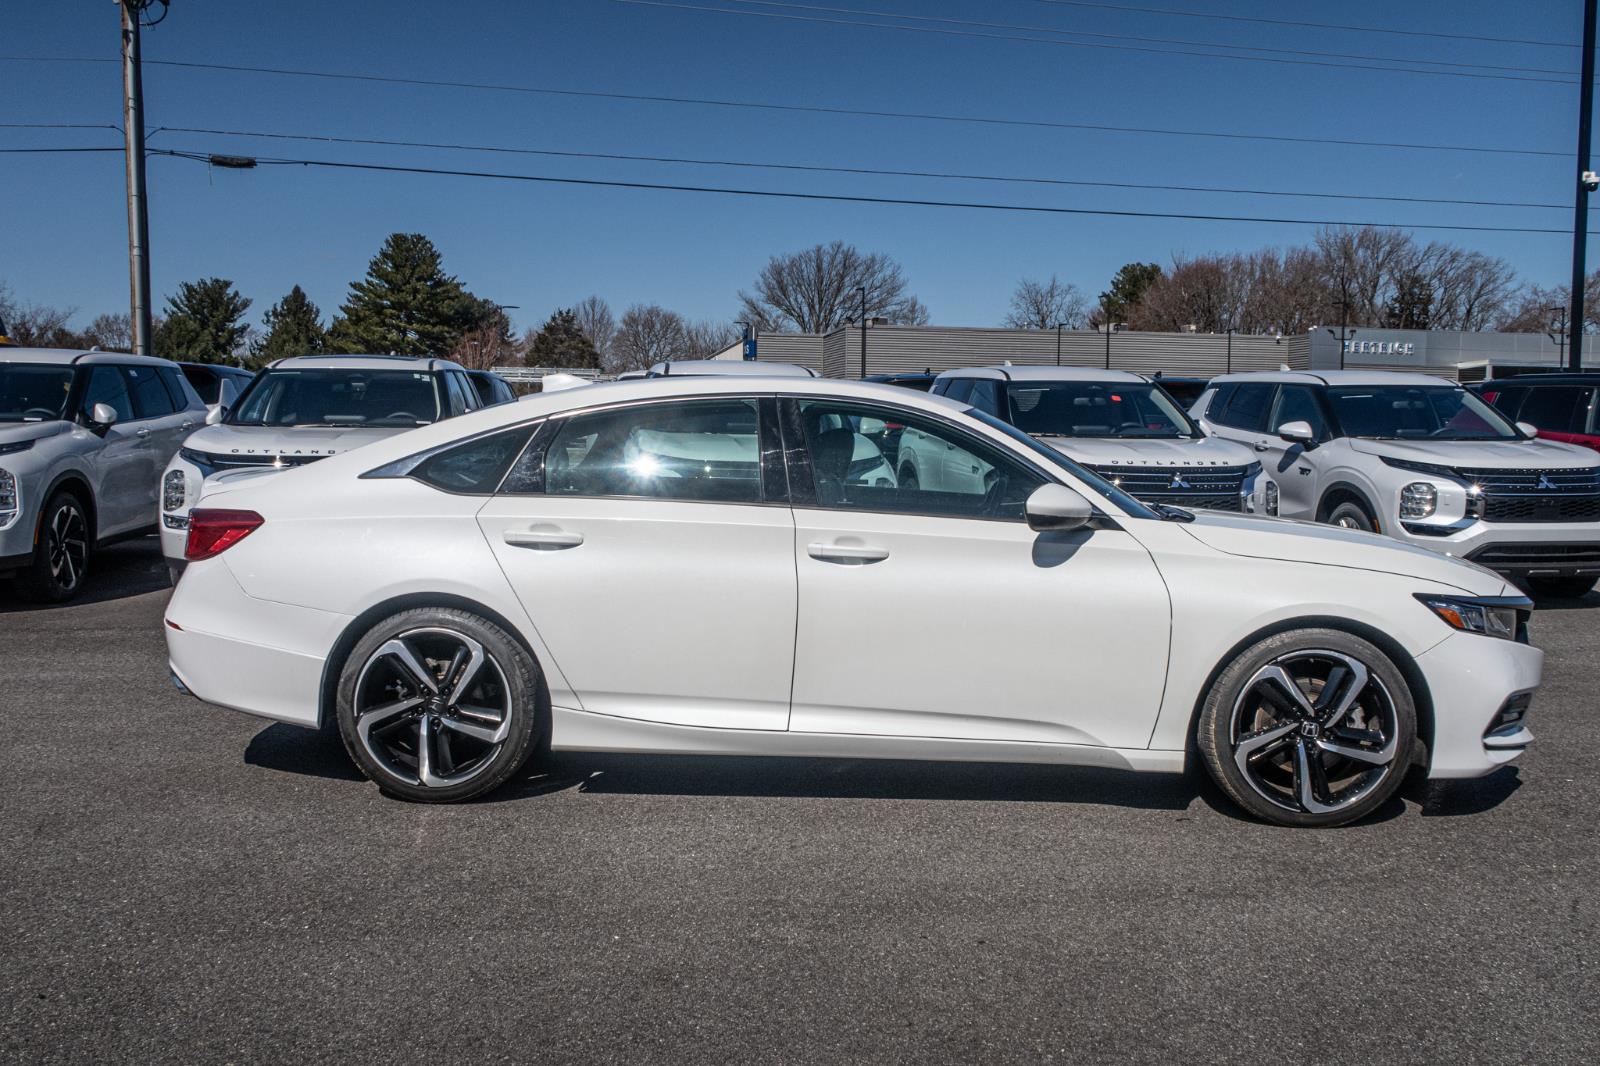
x: 117, y: 571
x: 1453, y: 799
x: 293, y: 749
x: 1566, y: 603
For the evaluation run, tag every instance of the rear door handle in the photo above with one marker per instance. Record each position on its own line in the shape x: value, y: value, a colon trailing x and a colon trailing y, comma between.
x: 542, y: 539
x: 847, y: 553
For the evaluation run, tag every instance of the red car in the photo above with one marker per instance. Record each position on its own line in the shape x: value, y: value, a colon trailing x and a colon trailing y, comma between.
x: 1562, y: 406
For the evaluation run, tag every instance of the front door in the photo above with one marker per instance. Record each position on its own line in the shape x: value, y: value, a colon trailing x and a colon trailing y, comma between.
x: 1289, y: 463
x: 124, y: 465
x: 930, y: 612
x: 643, y: 545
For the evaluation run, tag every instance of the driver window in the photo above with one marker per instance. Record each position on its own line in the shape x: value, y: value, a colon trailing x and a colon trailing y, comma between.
x: 864, y: 459
x: 106, y: 385
x: 1297, y: 403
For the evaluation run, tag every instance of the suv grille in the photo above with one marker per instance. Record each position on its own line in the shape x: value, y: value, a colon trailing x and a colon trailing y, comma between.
x: 1540, y: 558
x: 1217, y: 488
x: 1538, y: 495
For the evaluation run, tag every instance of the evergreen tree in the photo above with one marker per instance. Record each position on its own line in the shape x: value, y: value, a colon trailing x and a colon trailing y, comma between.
x: 562, y: 342
x: 406, y: 304
x: 294, y: 327
x: 205, y: 322
x: 1127, y: 286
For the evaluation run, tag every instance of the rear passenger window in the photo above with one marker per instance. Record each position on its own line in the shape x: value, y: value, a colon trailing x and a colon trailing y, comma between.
x: 150, y: 396
x: 474, y: 467
x: 959, y: 389
x: 106, y: 385
x: 696, y: 450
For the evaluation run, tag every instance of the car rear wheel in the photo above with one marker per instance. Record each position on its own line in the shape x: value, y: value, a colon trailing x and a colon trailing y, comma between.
x: 61, y: 556
x: 1563, y: 588
x: 438, y: 705
x: 1313, y: 727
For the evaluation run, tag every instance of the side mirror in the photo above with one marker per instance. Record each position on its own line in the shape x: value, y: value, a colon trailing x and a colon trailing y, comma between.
x: 1056, y: 507
x: 1528, y: 429
x: 103, y: 414
x: 1297, y: 433
x: 216, y: 413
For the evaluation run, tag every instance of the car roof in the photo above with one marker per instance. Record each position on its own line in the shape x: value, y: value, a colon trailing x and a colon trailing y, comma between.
x: 1578, y: 378
x: 364, y: 362
x: 1337, y: 377
x: 1046, y: 373
x: 78, y: 357
x: 219, y: 368
x: 729, y: 368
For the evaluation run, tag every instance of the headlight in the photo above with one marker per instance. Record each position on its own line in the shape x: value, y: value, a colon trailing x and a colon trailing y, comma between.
x: 1490, y: 616
x: 1421, y: 468
x: 204, y: 460
x: 8, y: 498
x: 174, y: 490
x: 1272, y: 497
x: 1418, y: 500
x: 15, y: 446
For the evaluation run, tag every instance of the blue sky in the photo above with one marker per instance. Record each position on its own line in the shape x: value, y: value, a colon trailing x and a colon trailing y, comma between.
x: 63, y: 228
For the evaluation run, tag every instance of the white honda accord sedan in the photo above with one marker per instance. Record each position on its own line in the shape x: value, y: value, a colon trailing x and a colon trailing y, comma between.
x: 727, y: 566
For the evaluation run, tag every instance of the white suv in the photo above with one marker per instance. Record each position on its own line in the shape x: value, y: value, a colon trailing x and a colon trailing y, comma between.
x: 302, y: 409
x: 83, y: 438
x: 1122, y: 426
x: 1423, y: 460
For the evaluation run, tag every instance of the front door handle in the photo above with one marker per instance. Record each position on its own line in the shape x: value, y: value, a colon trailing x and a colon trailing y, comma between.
x: 143, y: 433
x: 847, y: 553
x: 1262, y: 445
x: 542, y: 539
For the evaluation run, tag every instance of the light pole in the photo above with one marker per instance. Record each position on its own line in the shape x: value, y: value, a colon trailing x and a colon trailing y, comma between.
x: 1587, y: 182
x: 1059, y: 327
x: 1561, y: 337
x: 863, y: 290
x: 1229, y: 331
x: 1341, y: 336
x: 138, y: 215
x: 1110, y: 326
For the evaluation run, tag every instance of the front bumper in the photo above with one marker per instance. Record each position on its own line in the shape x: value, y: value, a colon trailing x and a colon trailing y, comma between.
x: 1564, y: 549
x: 1471, y: 678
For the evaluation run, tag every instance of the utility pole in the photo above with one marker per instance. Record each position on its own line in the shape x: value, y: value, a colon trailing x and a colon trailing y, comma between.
x: 1110, y: 327
x: 863, y: 289
x: 138, y: 215
x: 1586, y: 184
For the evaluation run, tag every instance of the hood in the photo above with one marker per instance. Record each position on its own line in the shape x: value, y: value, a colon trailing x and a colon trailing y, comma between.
x: 22, y: 432
x: 284, y: 440
x: 1292, y: 541
x: 1193, y: 452
x: 1486, y: 454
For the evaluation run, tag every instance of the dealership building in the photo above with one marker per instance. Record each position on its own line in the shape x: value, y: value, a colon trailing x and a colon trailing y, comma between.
x: 905, y: 349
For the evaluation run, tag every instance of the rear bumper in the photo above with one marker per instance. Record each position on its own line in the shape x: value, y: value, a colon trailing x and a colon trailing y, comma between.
x: 1471, y: 679
x: 247, y: 654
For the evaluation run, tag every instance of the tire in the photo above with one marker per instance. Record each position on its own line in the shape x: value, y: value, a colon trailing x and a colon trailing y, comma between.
x: 908, y: 479
x: 1269, y: 752
x: 457, y: 680
x: 1352, y: 515
x: 61, y: 553
x: 1562, y: 588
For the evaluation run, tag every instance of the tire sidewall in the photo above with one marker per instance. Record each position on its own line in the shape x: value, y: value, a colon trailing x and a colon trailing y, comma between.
x: 1213, y: 733
x: 523, y: 682
x: 37, y: 583
x: 1355, y: 510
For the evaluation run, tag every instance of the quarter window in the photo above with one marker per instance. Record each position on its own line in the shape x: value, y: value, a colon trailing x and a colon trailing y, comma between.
x: 474, y: 467
x: 704, y: 450
x: 150, y: 397
x: 867, y: 459
x: 1247, y: 409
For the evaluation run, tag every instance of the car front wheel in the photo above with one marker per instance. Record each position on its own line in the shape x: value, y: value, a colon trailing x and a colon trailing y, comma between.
x: 438, y: 705
x: 1312, y: 727
x: 61, y: 556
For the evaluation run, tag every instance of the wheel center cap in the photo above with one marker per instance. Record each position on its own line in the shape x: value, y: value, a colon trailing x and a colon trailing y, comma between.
x: 1310, y: 729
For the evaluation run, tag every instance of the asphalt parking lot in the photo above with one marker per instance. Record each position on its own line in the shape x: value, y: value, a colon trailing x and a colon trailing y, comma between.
x: 187, y: 884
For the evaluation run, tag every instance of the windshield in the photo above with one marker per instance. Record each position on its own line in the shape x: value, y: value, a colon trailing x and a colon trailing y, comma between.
x: 34, y: 392
x: 394, y: 398
x: 1417, y: 412
x: 1095, y: 481
x: 1096, y: 409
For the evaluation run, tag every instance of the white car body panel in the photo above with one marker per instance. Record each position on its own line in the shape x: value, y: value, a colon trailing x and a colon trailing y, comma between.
x: 709, y: 627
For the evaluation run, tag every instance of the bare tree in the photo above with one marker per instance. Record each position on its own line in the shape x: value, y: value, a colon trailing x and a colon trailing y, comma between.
x: 1204, y: 293
x: 1041, y: 305
x: 704, y: 338
x: 648, y: 334
x: 818, y: 289
x: 36, y: 325
x: 488, y: 344
x: 598, y: 324
x: 111, y: 332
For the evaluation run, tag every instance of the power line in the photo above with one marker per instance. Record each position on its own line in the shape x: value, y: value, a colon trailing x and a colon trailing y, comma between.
x: 1176, y: 13
x: 1384, y: 67
x: 58, y: 126
x: 982, y: 120
x: 55, y: 151
x: 1067, y: 31
x: 832, y: 197
x: 870, y: 171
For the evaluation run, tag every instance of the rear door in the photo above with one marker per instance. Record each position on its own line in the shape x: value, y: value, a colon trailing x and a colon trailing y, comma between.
x: 653, y: 547
x: 160, y: 424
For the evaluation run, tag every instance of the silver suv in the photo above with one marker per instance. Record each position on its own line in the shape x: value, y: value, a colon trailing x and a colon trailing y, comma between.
x: 1123, y: 426
x: 1423, y: 460
x: 83, y: 438
x: 302, y: 409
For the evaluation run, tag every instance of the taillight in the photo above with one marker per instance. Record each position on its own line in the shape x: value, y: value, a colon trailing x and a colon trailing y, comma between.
x: 213, y: 530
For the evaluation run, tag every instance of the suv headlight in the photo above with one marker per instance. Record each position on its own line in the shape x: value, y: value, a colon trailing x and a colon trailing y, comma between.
x: 174, y: 490
x: 8, y: 498
x: 1418, y: 500
x: 1491, y: 616
x: 1421, y: 468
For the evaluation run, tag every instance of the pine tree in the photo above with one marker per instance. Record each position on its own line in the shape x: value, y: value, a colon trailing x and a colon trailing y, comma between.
x: 294, y: 327
x: 1127, y: 286
x: 205, y: 322
x: 562, y: 342
x: 406, y: 303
